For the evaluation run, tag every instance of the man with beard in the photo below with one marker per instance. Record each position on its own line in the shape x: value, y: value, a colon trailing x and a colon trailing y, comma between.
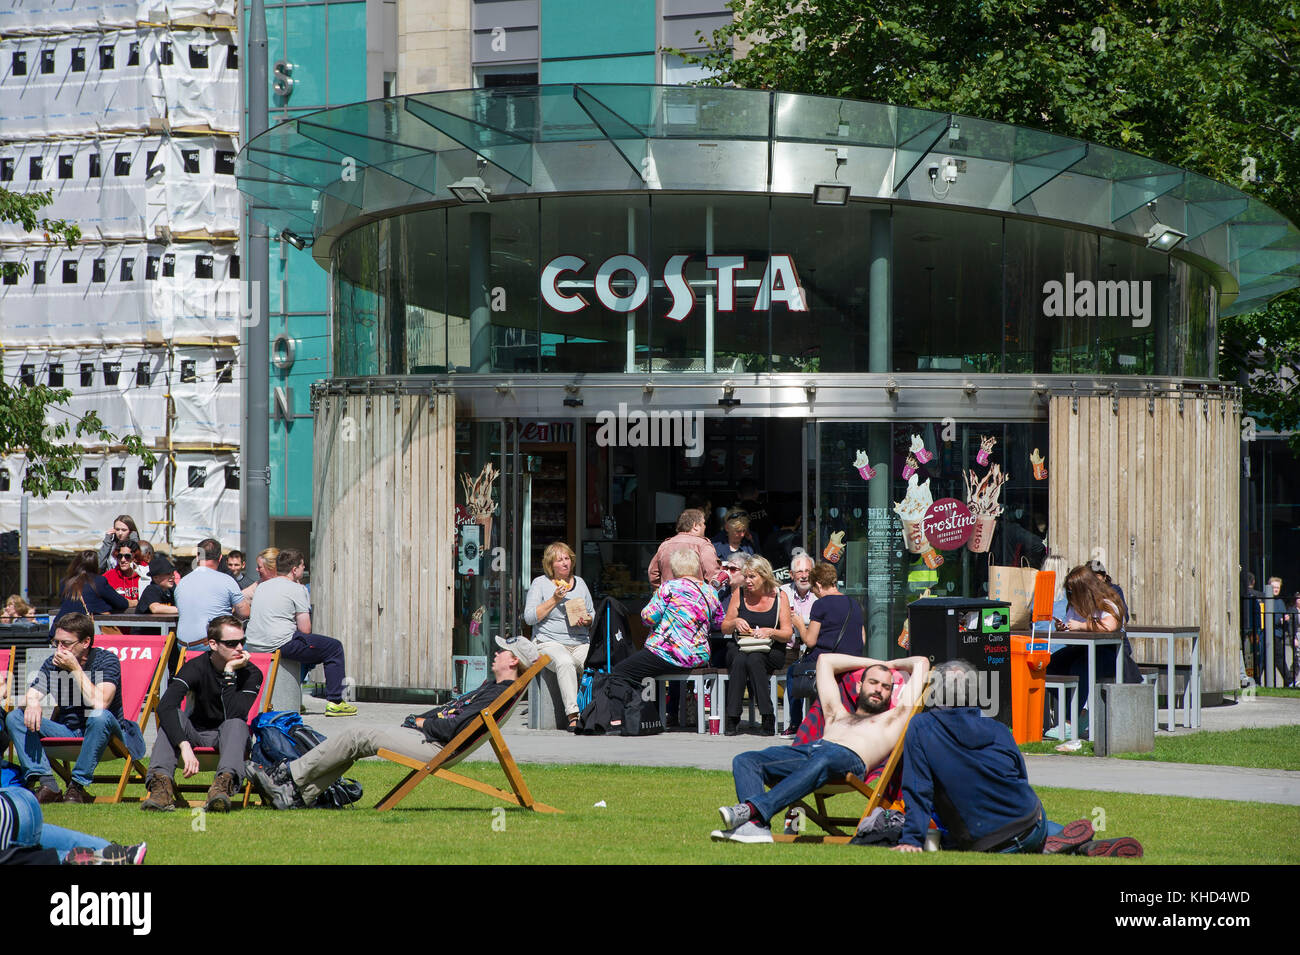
x: 852, y: 743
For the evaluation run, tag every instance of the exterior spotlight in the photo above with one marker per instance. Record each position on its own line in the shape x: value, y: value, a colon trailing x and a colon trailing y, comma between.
x: 295, y: 240
x: 572, y: 400
x: 810, y: 389
x: 830, y: 194
x: 891, y: 388
x: 1164, y: 238
x: 470, y: 189
x: 728, y: 399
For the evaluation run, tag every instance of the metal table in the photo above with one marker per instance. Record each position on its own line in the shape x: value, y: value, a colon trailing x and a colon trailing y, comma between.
x: 159, y: 623
x: 1192, y: 714
x: 1080, y: 638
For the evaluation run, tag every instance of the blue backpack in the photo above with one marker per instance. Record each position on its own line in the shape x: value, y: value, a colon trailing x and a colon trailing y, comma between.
x: 281, y: 736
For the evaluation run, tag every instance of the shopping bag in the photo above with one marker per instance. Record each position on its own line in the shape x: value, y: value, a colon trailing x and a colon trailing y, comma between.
x: 1014, y: 585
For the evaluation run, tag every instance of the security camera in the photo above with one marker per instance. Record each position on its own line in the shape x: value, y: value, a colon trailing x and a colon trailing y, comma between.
x: 933, y: 170
x: 950, y: 169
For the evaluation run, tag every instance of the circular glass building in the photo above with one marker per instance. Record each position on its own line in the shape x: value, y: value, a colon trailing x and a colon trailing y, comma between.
x: 569, y: 312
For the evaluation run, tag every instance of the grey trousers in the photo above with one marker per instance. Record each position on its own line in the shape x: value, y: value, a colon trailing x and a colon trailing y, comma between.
x: 321, y: 767
x: 230, y: 740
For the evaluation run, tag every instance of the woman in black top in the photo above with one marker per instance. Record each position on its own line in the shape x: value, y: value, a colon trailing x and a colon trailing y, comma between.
x: 84, y: 590
x: 758, y: 611
x: 835, y: 623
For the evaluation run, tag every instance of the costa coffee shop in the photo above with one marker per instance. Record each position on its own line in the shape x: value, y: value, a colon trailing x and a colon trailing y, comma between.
x: 562, y: 312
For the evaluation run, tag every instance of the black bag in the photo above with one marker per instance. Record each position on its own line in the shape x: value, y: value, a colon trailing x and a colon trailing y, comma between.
x: 641, y: 718
x: 281, y: 736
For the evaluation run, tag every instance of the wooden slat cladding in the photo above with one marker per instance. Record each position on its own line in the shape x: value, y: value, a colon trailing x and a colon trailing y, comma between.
x: 384, y: 502
x: 1154, y: 488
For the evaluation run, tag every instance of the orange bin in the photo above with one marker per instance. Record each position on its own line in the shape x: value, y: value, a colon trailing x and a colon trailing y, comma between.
x: 1029, y: 669
x: 1027, y: 690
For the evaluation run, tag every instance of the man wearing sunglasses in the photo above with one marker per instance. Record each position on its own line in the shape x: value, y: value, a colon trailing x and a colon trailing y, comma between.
x: 125, y: 577
x: 224, y: 685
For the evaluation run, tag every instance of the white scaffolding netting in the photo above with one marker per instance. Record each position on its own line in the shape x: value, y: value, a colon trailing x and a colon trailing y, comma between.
x: 206, y: 496
x: 62, y: 16
x: 118, y: 80
x: 127, y: 387
x: 121, y: 293
x: 127, y: 187
x: 70, y: 522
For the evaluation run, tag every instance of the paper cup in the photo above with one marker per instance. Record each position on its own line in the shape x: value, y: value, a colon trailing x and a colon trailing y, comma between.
x: 914, y: 537
x: 982, y: 537
x: 933, y: 559
x: 832, y: 552
x: 1040, y: 470
x: 908, y: 470
x: 982, y: 458
x: 924, y: 455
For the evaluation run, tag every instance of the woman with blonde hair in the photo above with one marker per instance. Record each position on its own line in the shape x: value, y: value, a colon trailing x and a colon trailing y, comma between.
x: 559, y: 609
x: 17, y: 609
x: 758, y: 618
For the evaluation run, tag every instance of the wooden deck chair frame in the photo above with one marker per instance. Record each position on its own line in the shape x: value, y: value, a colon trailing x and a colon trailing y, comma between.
x: 455, y: 751
x: 134, y: 770
x: 206, y: 755
x: 835, y: 825
x: 7, y: 693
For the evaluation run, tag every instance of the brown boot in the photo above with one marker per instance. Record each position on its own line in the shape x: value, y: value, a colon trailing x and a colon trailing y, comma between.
x: 162, y: 794
x: 76, y: 793
x: 220, y: 792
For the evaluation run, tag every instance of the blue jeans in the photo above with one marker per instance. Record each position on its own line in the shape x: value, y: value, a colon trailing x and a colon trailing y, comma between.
x: 101, y: 726
x: 1033, y: 843
x: 793, y: 772
x: 34, y: 831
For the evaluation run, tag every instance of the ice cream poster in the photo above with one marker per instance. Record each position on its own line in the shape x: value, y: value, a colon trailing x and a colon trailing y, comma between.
x: 948, y: 524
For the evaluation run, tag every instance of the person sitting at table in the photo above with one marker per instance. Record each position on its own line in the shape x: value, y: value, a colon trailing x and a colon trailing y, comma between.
x: 160, y: 595
x: 84, y: 590
x: 757, y: 613
x: 1094, y: 607
x: 16, y: 610
x: 681, y: 613
x: 555, y: 633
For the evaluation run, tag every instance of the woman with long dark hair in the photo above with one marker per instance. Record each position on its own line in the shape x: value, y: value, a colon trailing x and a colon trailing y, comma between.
x: 84, y: 589
x: 1094, y: 607
x: 123, y: 531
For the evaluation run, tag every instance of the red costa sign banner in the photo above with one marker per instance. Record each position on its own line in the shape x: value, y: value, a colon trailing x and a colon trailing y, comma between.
x: 948, y: 524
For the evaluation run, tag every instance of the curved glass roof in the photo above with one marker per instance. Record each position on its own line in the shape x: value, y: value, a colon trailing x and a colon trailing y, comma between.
x: 319, y: 174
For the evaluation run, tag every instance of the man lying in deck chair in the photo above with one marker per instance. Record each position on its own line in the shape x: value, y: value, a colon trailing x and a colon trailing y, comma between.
x: 297, y: 784
x: 968, y: 769
x: 852, y: 742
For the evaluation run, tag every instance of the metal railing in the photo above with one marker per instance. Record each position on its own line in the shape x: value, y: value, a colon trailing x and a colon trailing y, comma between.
x: 1269, y: 635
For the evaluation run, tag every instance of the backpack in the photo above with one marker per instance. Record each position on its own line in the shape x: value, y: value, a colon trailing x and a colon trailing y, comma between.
x: 281, y: 736
x: 609, y: 643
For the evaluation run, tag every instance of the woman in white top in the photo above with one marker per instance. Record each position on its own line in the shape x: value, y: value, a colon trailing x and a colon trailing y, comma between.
x: 545, y: 610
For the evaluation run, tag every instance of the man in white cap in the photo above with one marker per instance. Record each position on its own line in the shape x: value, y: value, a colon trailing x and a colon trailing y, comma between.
x: 299, y: 783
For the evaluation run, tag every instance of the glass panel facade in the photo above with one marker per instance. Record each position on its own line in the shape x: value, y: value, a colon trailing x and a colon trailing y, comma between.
x: 855, y: 517
x: 703, y: 283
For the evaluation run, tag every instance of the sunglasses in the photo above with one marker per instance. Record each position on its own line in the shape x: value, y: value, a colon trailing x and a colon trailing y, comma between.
x: 232, y: 643
x: 127, y: 556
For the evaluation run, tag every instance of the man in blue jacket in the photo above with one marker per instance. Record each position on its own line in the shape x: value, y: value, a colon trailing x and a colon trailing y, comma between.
x: 966, y: 771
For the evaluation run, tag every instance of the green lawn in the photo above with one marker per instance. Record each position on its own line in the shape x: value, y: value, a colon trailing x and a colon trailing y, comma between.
x: 1281, y: 691
x: 1277, y: 747
x: 652, y: 815
x: 1272, y: 748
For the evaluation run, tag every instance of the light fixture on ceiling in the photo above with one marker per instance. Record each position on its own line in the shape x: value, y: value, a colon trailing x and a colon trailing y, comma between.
x: 834, y: 193
x: 1161, y: 237
x: 470, y: 189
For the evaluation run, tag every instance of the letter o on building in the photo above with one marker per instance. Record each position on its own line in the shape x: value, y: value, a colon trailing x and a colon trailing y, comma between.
x: 282, y: 352
x: 605, y: 287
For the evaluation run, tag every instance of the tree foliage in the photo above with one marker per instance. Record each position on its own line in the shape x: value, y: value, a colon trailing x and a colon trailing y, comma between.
x: 1207, y: 85
x: 54, y: 449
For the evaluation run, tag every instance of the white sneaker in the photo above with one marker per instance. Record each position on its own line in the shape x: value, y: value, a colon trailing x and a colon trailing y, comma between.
x: 749, y: 832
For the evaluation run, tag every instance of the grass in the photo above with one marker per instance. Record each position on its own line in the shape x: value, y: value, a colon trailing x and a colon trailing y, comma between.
x: 1272, y: 748
x: 652, y: 815
x: 1284, y: 692
x: 1276, y: 747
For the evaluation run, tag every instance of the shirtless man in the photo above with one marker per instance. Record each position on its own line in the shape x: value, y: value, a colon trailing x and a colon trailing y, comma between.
x: 853, y: 743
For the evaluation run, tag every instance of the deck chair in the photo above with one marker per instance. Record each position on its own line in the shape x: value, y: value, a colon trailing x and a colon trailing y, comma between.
x: 834, y: 825
x: 143, y: 658
x: 208, y: 757
x: 486, y: 726
x: 7, y: 655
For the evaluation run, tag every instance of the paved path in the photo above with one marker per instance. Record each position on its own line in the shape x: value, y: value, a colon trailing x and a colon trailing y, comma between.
x: 1070, y: 772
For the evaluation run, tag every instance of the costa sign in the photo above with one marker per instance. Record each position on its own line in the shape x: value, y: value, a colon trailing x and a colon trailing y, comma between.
x: 780, y: 283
